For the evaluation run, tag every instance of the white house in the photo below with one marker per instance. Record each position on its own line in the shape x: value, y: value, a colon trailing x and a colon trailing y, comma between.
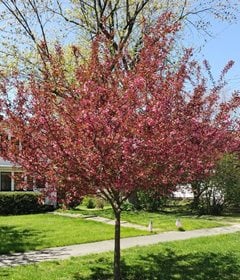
x: 183, y: 191
x: 11, y: 179
x: 10, y: 176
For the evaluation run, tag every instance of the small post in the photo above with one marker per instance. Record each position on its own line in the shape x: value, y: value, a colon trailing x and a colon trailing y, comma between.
x: 178, y: 224
x: 150, y: 226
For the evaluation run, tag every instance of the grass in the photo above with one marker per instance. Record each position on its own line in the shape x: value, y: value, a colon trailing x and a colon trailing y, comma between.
x: 228, y: 217
x: 161, y: 221
x: 208, y: 258
x: 35, y: 232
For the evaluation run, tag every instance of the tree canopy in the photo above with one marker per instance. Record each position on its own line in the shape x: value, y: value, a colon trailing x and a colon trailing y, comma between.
x: 115, y: 129
x: 29, y: 29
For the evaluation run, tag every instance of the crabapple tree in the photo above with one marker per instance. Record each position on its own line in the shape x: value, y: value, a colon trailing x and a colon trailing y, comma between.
x: 115, y: 130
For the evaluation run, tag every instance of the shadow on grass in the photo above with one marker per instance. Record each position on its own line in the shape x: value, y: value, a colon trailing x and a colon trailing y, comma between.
x: 169, y: 266
x: 14, y: 239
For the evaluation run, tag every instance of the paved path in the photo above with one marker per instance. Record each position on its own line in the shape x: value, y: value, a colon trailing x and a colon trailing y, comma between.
x: 61, y: 253
x: 102, y: 220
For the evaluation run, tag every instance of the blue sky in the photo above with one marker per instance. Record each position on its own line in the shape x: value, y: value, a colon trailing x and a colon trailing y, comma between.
x: 223, y: 46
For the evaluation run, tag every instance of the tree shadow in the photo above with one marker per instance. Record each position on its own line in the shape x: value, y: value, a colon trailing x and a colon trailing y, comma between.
x: 170, y: 266
x: 14, y: 239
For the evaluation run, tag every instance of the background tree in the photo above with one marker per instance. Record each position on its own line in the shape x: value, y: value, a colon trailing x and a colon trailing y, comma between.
x: 227, y: 179
x: 221, y: 191
x: 30, y: 28
x: 149, y: 200
x: 114, y: 130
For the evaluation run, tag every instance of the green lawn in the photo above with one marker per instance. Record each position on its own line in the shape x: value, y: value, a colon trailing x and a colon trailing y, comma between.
x: 34, y: 232
x: 161, y: 222
x: 208, y: 258
x: 229, y: 218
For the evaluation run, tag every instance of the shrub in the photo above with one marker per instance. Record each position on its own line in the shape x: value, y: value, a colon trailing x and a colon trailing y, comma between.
x: 147, y: 200
x: 13, y: 203
x: 211, y: 202
x: 128, y: 206
x: 89, y: 202
x: 100, y: 202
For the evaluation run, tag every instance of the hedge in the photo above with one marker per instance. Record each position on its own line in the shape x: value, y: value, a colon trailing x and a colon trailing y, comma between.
x: 13, y: 203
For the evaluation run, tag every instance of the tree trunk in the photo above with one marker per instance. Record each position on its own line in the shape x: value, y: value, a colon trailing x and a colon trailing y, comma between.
x: 117, y: 252
x: 197, y: 190
x: 196, y: 201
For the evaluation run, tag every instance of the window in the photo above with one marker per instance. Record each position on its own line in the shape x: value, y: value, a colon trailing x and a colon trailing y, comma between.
x: 6, y: 181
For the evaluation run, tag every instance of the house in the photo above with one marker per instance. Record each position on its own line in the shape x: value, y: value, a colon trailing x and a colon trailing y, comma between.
x: 10, y: 176
x: 12, y: 179
x: 183, y: 191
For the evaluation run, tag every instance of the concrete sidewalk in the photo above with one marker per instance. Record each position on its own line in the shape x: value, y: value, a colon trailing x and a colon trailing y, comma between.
x: 101, y: 220
x: 61, y: 253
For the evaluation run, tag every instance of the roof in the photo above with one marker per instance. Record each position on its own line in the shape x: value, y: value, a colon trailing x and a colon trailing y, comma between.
x: 6, y: 163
